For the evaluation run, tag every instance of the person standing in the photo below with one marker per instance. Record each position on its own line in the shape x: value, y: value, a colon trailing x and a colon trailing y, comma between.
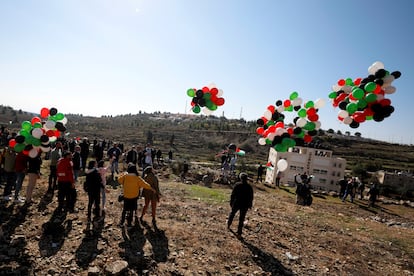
x: 113, y: 154
x: 260, y: 170
x: 132, y: 156
x: 102, y: 172
x: 21, y: 169
x: 77, y: 162
x: 131, y: 184
x: 55, y: 155
x: 33, y: 171
x: 350, y: 190
x: 93, y: 186
x: 151, y: 196
x: 9, y: 172
x: 241, y: 200
x: 66, y: 183
x: 84, y: 152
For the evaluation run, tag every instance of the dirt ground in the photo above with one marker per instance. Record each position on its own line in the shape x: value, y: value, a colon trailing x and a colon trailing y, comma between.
x: 191, y: 238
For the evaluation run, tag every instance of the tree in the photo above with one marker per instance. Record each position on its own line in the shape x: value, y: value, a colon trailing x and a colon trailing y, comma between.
x: 358, y: 134
x: 347, y: 133
x: 338, y: 132
x: 331, y: 131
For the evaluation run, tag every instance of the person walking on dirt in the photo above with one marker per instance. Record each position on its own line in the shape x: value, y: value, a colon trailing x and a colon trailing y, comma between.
x: 93, y: 185
x: 373, y: 194
x: 241, y: 200
x: 131, y: 184
x: 153, y: 196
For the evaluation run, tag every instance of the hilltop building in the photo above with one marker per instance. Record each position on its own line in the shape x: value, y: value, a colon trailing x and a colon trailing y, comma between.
x: 326, y: 169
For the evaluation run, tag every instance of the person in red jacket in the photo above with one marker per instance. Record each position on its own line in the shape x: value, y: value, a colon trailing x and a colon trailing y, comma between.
x: 66, y: 183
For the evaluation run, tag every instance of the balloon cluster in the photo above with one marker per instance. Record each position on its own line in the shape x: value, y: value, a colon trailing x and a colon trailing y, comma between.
x: 36, y: 135
x: 360, y: 100
x: 276, y: 133
x: 206, y: 99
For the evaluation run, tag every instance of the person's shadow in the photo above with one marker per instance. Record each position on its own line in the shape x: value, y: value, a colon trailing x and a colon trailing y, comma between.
x: 88, y: 249
x: 266, y: 260
x: 158, y: 241
x: 54, y: 233
x: 46, y: 200
x: 133, y: 245
x: 10, y: 219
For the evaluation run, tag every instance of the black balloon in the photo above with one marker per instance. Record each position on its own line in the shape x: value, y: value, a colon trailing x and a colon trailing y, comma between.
x: 354, y: 124
x: 260, y: 122
x: 278, y: 103
x: 380, y: 82
x: 199, y: 94
x: 59, y: 126
x: 380, y: 73
x: 275, y: 116
x: 342, y: 105
x: 297, y: 130
x: 20, y: 139
x: 53, y: 111
x: 44, y: 138
x: 296, y: 108
x: 396, y: 74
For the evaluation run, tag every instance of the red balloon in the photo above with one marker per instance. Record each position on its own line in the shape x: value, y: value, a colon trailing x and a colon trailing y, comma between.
x: 214, y: 91
x: 357, y: 81
x: 206, y: 89
x: 260, y: 130
x: 271, y: 108
x: 311, y: 111
x: 12, y: 143
x: 359, y: 117
x: 286, y: 103
x: 377, y: 89
x: 307, y: 138
x: 290, y: 130
x: 279, y: 124
x: 385, y: 102
x: 341, y: 82
x: 35, y: 120
x: 272, y: 128
x: 50, y: 133
x: 219, y: 101
x: 313, y: 117
x: 44, y: 112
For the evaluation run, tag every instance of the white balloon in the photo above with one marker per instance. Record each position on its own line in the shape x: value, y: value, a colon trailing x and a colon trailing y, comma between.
x: 343, y: 114
x: 317, y: 125
x: 52, y: 139
x: 33, y: 152
x: 336, y: 87
x: 280, y: 131
x: 319, y: 103
x: 375, y: 67
x: 211, y: 85
x: 297, y: 101
x: 220, y: 93
x: 389, y: 89
x: 347, y: 120
x: 267, y: 114
x: 271, y: 135
x: 282, y: 165
x: 207, y: 111
x: 347, y: 89
x: 50, y: 124
x: 301, y: 122
x: 388, y: 79
x: 262, y: 141
x: 37, y: 133
x: 280, y: 108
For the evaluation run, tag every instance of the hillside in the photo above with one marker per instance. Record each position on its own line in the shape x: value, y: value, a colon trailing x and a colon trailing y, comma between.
x: 280, y: 238
x: 199, y: 138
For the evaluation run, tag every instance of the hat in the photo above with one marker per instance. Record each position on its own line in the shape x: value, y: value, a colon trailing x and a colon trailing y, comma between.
x: 243, y: 176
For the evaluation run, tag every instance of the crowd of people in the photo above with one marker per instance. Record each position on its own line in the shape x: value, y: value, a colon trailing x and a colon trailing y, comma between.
x: 71, y: 159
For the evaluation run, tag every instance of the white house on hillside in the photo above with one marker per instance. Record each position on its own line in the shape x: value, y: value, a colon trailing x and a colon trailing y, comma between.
x: 326, y: 169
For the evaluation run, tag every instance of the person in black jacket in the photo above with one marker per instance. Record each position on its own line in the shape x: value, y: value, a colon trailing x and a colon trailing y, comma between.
x: 93, y: 185
x: 241, y: 200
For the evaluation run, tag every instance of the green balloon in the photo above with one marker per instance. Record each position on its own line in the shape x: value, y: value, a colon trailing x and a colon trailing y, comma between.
x: 286, y: 142
x: 310, y: 126
x: 293, y: 96
x: 270, y: 123
x: 292, y: 143
x: 36, y: 142
x: 191, y: 92
x: 358, y: 93
x: 370, y: 97
x: 207, y: 96
x: 196, y: 109
x: 60, y: 116
x: 362, y: 103
x: 268, y: 141
x: 309, y: 104
x: 332, y: 95
x: 19, y: 147
x: 302, y: 113
x: 349, y: 82
x: 351, y: 108
x: 24, y: 133
x: 289, y: 108
x: 370, y: 86
x: 37, y: 125
x: 281, y: 148
x: 213, y: 107
x: 26, y: 125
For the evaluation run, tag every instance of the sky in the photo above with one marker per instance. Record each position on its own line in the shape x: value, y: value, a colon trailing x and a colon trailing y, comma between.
x: 114, y: 57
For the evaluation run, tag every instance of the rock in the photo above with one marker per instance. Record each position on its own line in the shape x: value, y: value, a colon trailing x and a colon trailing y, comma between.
x: 93, y: 271
x: 116, y: 268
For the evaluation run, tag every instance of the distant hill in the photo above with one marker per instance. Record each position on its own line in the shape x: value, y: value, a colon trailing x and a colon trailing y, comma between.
x: 198, y: 137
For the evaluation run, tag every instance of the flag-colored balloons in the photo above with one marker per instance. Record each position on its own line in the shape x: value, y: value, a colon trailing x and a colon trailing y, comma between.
x: 207, y: 99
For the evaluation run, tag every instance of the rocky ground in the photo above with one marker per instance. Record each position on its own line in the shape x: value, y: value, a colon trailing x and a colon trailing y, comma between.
x: 191, y: 237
